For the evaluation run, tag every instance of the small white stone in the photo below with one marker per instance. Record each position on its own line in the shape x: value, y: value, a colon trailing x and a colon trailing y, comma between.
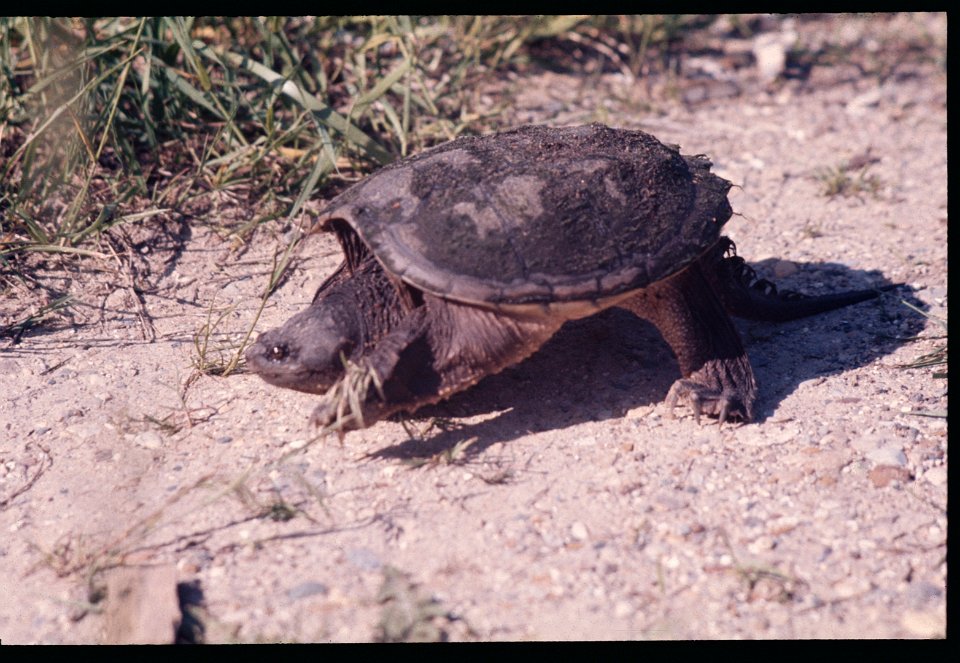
x: 932, y: 624
x: 888, y: 455
x: 148, y: 440
x: 849, y: 587
x: 579, y: 531
x: 761, y: 544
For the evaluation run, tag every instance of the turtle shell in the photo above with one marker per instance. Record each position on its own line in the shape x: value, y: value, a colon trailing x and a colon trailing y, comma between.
x: 538, y: 215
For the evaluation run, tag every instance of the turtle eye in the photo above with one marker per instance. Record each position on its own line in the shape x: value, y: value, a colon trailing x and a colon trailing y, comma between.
x: 279, y: 352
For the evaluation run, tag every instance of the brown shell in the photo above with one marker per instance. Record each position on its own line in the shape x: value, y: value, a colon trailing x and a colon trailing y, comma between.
x: 538, y: 215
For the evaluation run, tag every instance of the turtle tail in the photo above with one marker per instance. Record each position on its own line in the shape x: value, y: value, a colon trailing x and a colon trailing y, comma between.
x: 746, y: 296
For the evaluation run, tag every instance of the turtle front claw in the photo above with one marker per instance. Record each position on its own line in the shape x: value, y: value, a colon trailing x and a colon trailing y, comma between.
x: 355, y: 401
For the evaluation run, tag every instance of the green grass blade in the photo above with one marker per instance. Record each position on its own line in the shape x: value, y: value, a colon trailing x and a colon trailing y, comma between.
x: 324, y: 113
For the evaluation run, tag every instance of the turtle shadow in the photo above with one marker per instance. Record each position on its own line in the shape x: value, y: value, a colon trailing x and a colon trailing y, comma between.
x: 598, y: 368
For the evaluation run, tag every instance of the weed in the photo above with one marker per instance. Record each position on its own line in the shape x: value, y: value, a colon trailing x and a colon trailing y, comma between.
x: 850, y: 178
x: 936, y: 358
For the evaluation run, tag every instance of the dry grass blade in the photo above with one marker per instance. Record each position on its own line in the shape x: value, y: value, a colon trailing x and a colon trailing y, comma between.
x: 51, y: 248
x: 203, y: 344
x: 937, y: 357
x: 455, y: 455
x: 276, y: 273
x: 347, y: 396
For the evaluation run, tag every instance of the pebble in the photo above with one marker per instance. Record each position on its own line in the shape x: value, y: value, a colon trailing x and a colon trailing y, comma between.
x: 306, y: 589
x: 826, y: 462
x: 850, y: 587
x: 867, y: 443
x: 936, y: 293
x: 784, y: 268
x: 762, y: 544
x: 925, y: 624
x: 148, y: 440
x: 93, y: 379
x: 363, y: 558
x: 85, y: 430
x: 884, y: 475
x: 888, y: 455
x: 579, y: 531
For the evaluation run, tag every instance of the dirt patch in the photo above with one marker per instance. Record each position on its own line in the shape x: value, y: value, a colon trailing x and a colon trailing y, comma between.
x: 558, y: 499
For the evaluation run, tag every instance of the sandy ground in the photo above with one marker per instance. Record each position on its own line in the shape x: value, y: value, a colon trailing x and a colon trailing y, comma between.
x: 557, y: 500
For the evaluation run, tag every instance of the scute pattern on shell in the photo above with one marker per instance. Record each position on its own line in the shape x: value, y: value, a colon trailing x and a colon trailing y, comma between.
x: 538, y: 214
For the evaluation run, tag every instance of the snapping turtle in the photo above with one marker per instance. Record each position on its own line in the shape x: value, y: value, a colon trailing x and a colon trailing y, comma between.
x: 466, y: 258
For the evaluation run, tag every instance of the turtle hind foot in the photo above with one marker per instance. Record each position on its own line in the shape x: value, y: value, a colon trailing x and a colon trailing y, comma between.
x: 717, y: 391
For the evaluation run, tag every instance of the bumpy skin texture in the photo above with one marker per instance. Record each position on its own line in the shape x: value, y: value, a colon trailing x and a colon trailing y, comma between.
x: 467, y: 258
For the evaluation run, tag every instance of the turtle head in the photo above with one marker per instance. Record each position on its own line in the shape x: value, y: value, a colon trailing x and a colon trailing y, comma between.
x: 307, y: 352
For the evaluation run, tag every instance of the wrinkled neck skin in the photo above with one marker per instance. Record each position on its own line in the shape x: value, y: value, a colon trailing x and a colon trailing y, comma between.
x: 378, y: 303
x: 347, y: 317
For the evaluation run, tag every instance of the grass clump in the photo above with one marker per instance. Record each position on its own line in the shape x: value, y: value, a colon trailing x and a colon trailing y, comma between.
x: 936, y: 359
x: 850, y: 178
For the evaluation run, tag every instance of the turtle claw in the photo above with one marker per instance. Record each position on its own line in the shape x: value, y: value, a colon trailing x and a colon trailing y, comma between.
x: 324, y: 414
x: 724, y: 411
x: 725, y: 405
x: 352, y: 401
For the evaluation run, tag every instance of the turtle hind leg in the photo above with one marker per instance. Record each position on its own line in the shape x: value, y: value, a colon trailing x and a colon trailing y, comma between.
x: 717, y: 377
x: 441, y: 348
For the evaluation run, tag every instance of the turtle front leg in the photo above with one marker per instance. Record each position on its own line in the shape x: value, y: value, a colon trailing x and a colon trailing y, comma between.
x: 359, y: 398
x: 439, y: 349
x: 717, y: 377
